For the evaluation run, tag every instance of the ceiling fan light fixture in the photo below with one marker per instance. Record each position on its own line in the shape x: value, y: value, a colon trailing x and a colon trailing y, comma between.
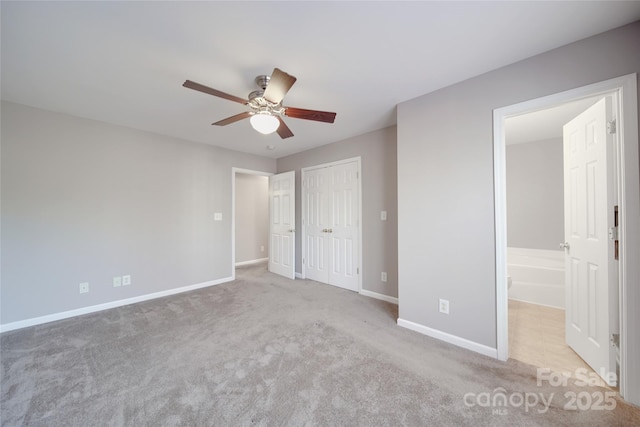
x: 264, y: 123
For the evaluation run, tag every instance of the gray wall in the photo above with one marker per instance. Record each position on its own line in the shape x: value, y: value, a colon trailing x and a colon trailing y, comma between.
x: 252, y: 217
x: 379, y: 183
x: 446, y: 236
x: 83, y: 201
x: 535, y: 194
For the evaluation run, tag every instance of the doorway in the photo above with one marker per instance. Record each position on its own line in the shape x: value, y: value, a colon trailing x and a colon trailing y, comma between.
x: 249, y: 217
x: 625, y: 88
x: 535, y: 230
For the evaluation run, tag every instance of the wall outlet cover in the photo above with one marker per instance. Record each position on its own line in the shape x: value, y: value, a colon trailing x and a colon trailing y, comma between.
x: 84, y: 287
x: 126, y: 280
x: 117, y: 281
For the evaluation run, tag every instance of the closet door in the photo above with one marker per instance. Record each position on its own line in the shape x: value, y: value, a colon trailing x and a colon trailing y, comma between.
x: 316, y: 223
x: 331, y: 224
x: 343, y: 229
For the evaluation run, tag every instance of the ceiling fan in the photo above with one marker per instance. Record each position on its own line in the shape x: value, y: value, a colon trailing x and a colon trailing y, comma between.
x: 266, y: 104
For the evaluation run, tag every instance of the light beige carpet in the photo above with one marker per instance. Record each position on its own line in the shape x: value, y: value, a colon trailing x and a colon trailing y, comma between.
x: 264, y: 350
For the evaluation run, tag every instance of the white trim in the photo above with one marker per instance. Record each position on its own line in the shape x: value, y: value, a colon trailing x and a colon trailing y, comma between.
x: 251, y: 261
x: 629, y: 206
x: 235, y: 171
x: 334, y: 163
x: 106, y: 306
x: 299, y: 275
x: 383, y: 297
x: 451, y: 339
x: 358, y: 161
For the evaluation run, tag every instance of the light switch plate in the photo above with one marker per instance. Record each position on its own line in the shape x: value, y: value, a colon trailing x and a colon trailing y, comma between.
x: 217, y: 216
x: 383, y: 215
x: 444, y: 306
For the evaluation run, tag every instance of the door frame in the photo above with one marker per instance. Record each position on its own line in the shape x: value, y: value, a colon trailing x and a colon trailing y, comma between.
x: 358, y: 161
x: 235, y: 171
x: 626, y: 157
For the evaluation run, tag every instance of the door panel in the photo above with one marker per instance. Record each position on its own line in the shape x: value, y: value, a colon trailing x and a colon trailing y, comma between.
x: 282, y: 224
x: 590, y: 267
x: 315, y: 185
x: 344, y: 225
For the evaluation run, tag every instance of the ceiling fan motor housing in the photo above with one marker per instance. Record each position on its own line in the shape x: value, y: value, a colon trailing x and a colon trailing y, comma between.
x: 262, y: 81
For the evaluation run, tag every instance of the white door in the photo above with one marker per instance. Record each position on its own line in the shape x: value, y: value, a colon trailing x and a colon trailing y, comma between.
x: 331, y: 220
x: 282, y: 224
x: 589, y: 208
x: 343, y: 230
x: 316, y: 224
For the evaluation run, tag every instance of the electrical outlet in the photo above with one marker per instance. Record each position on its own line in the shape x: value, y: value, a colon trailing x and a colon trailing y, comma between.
x: 444, y: 306
x: 84, y: 287
x: 217, y: 216
x: 383, y: 215
x: 261, y: 248
x: 126, y: 280
x: 383, y: 276
x: 117, y: 281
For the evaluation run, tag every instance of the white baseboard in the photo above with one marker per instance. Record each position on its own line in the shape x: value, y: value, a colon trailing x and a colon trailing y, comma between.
x: 100, y: 307
x: 371, y: 294
x: 252, y: 261
x: 451, y: 339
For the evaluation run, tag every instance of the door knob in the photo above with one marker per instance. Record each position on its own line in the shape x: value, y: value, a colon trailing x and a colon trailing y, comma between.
x: 293, y: 230
x: 564, y: 245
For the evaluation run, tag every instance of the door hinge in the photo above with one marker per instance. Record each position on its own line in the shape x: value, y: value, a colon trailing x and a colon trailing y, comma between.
x: 616, y: 244
x: 611, y: 127
x: 613, y: 233
x: 357, y: 270
x: 303, y: 260
x: 615, y: 340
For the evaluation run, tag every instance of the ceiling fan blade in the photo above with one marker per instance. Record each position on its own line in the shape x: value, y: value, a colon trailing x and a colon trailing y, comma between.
x: 202, y: 88
x: 233, y: 119
x: 318, y: 116
x: 278, y: 86
x: 283, y: 130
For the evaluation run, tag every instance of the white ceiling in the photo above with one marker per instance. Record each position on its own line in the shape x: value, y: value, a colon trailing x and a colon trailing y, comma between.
x: 544, y: 124
x: 125, y: 62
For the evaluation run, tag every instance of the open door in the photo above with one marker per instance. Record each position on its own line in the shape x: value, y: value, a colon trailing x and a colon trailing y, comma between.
x: 282, y: 220
x: 590, y: 267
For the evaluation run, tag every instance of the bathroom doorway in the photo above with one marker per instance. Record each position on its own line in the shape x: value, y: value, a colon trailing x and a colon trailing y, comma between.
x: 535, y: 230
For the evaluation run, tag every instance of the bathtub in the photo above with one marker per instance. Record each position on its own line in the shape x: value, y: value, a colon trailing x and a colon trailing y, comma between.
x: 537, y: 276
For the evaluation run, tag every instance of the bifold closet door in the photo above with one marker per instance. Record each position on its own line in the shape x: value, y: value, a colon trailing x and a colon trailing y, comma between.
x: 331, y: 225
